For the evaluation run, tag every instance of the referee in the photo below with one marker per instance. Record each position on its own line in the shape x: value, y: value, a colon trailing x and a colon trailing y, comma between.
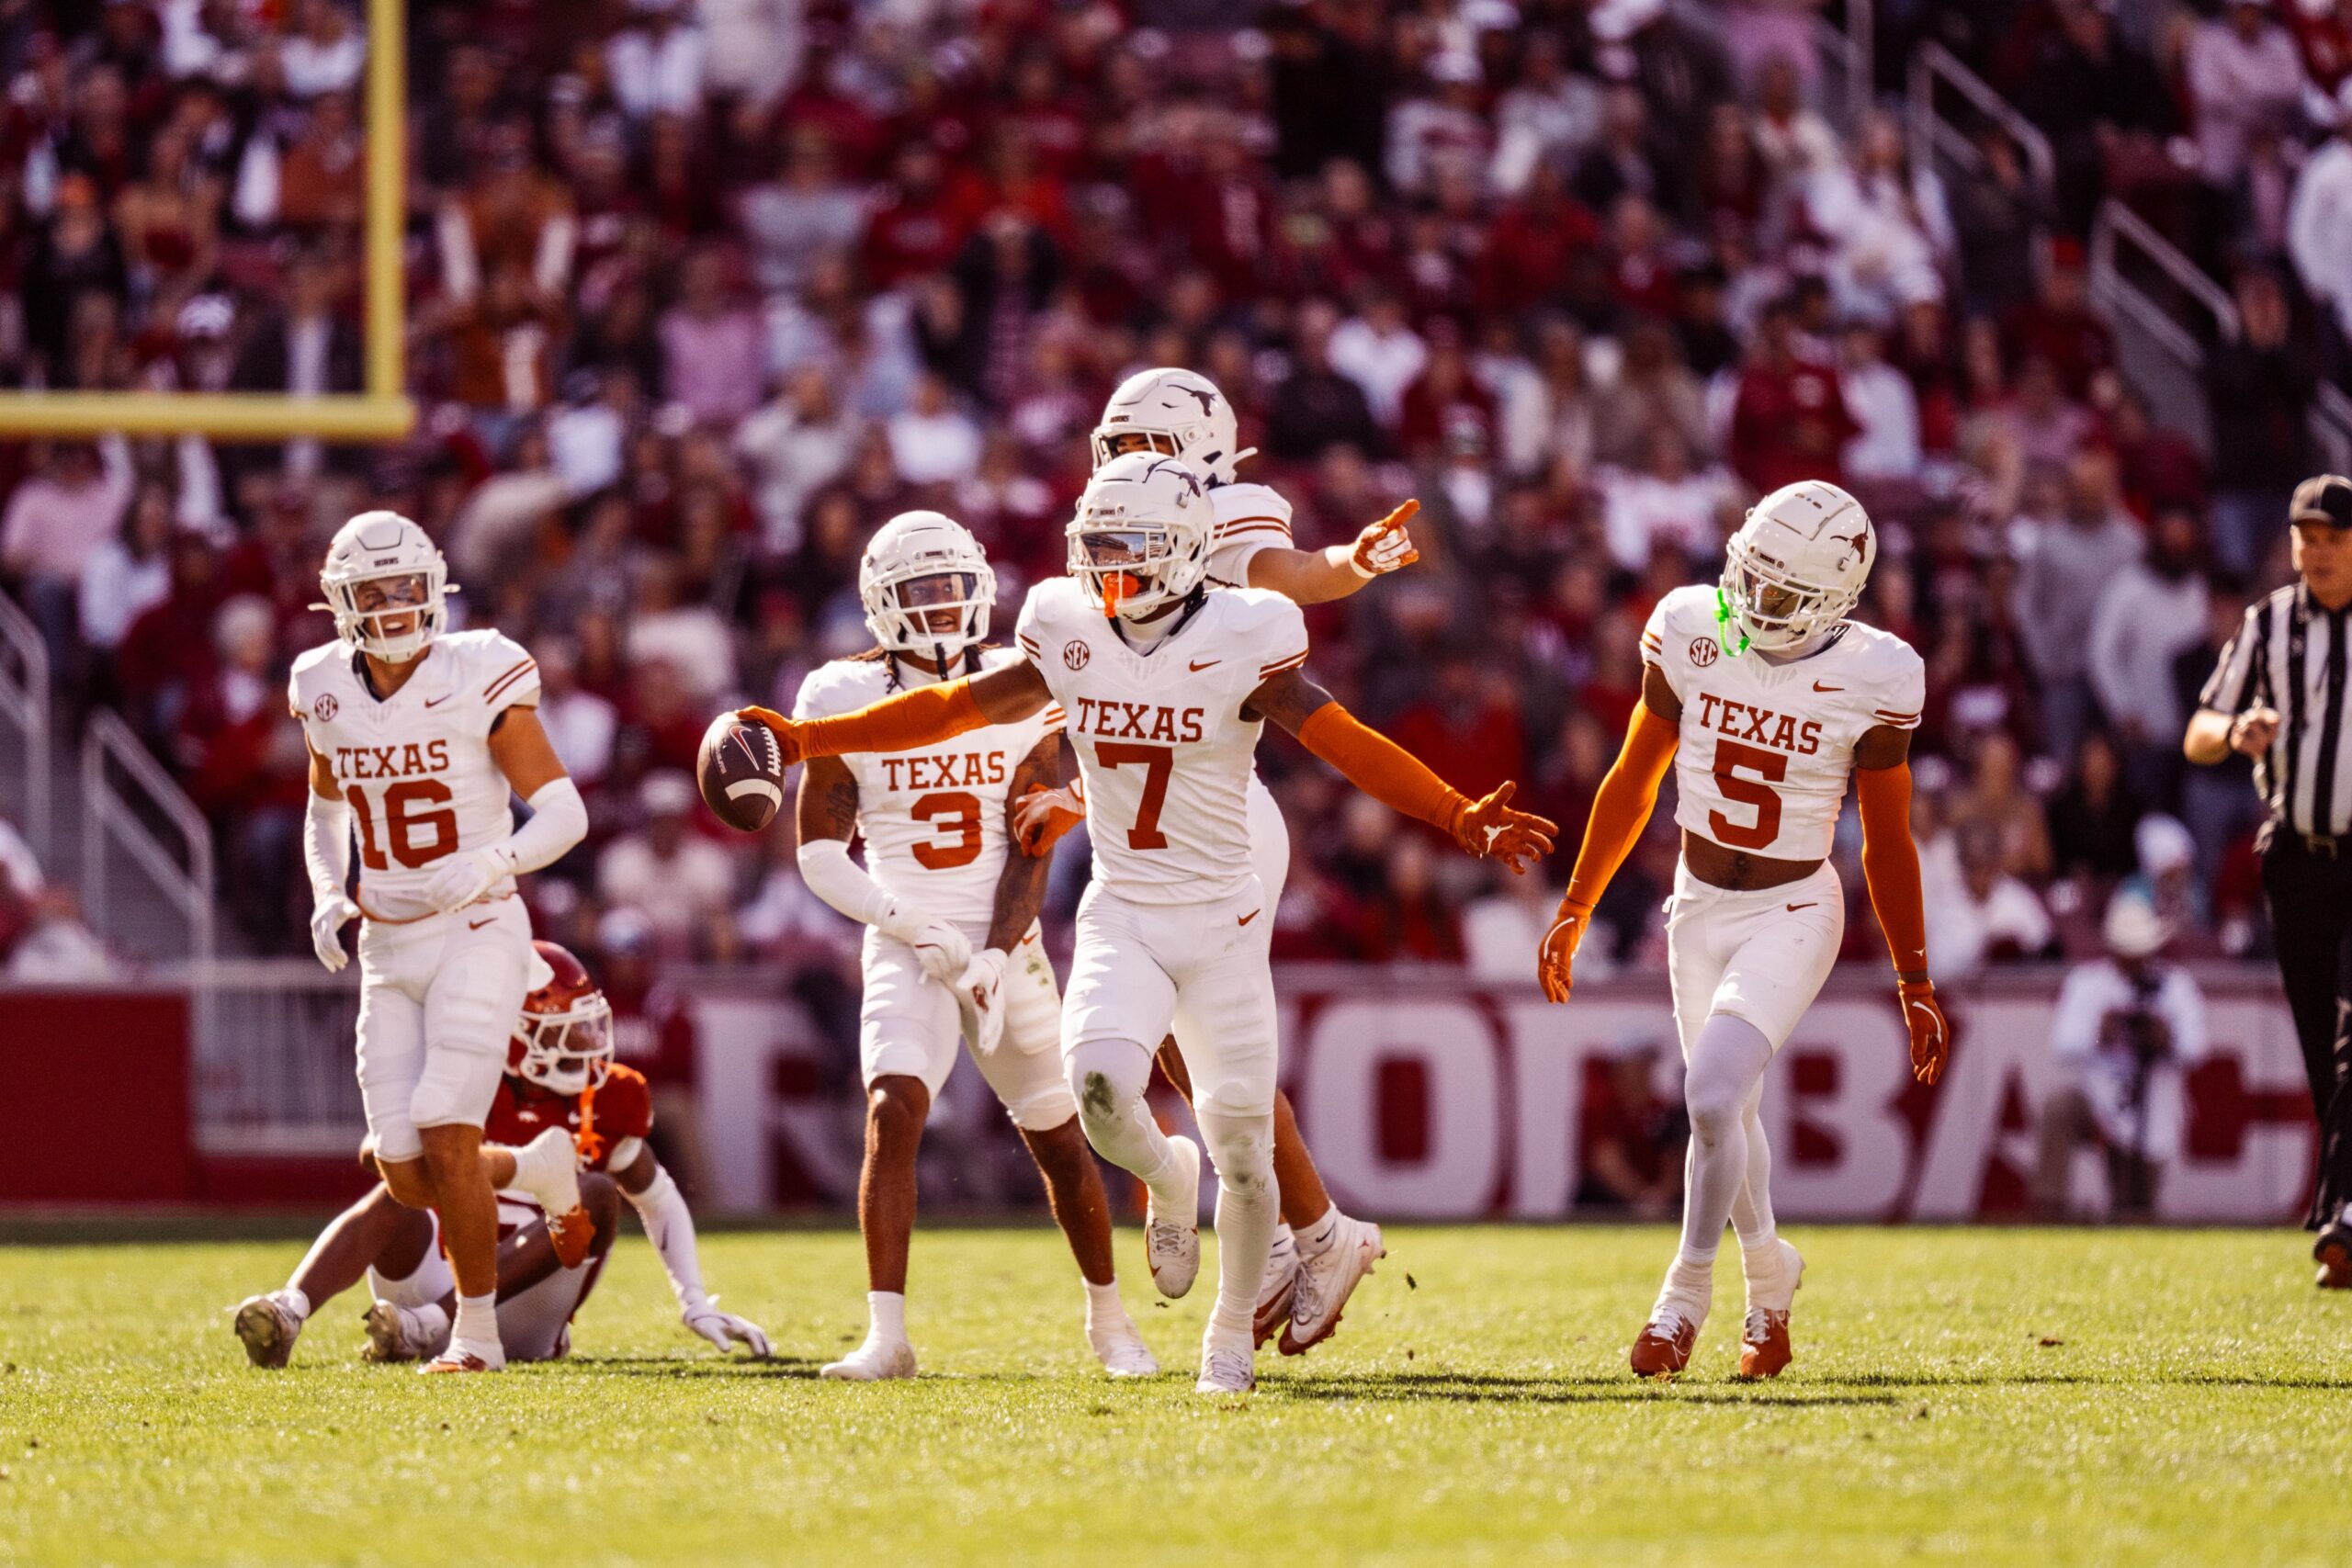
x: 2278, y: 695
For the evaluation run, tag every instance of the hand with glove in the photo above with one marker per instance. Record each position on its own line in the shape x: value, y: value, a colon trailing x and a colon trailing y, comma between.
x: 1385, y: 546
x: 788, y: 732
x: 1043, y: 816
x: 724, y: 1329
x: 1930, y: 1032
x: 980, y: 999
x: 462, y: 878
x: 1554, y: 964
x: 328, y: 918
x: 1490, y: 830
x: 943, y: 952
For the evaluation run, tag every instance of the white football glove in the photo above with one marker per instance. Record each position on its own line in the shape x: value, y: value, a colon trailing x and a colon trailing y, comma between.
x: 979, y: 1000
x: 465, y: 877
x: 328, y: 918
x: 724, y: 1329
x: 943, y: 951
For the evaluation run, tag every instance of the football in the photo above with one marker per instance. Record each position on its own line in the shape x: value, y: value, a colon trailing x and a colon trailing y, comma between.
x: 740, y: 771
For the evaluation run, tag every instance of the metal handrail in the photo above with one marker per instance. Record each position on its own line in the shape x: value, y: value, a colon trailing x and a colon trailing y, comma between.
x: 24, y: 699
x: 1931, y: 133
x: 2118, y: 222
x: 106, y: 814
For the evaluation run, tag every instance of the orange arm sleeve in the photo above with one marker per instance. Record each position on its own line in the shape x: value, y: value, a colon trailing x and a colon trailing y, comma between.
x: 1380, y: 767
x: 1891, y: 866
x: 1621, y: 808
x: 918, y: 718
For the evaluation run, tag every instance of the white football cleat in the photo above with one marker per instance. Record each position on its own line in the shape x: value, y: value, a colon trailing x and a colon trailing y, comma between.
x: 1326, y: 1281
x: 1227, y: 1369
x: 1126, y: 1356
x: 1280, y: 1286
x: 1172, y: 1242
x: 873, y: 1361
x: 268, y: 1327
x: 461, y: 1356
x: 396, y: 1333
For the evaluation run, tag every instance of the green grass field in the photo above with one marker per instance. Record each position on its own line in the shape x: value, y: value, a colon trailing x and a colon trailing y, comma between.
x: 2033, y: 1396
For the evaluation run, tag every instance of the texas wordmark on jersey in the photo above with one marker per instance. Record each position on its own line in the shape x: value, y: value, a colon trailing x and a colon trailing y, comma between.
x: 1767, y: 748
x: 934, y: 818
x: 415, y: 767
x: 1159, y: 735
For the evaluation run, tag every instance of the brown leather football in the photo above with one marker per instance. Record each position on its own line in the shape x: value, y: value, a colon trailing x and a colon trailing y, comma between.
x: 741, y: 769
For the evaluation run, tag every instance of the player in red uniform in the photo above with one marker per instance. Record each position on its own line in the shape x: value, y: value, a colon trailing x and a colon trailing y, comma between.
x: 560, y: 1075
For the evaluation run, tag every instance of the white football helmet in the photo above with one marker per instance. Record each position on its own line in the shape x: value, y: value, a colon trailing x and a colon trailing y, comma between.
x: 1140, y: 539
x: 387, y: 548
x: 1179, y: 415
x: 921, y: 569
x: 1795, y: 567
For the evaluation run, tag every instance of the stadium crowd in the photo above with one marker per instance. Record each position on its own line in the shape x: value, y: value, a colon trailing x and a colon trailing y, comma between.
x: 700, y: 291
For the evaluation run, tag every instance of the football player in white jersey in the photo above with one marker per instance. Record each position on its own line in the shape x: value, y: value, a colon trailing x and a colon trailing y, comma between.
x: 940, y: 896
x: 1167, y: 684
x: 1319, y: 1254
x: 417, y: 737
x: 1767, y: 698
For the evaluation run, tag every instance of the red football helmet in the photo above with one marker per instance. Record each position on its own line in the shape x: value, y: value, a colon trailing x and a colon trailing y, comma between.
x: 563, y: 1041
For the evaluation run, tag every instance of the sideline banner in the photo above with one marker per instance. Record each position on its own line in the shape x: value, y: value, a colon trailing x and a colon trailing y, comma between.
x: 1425, y: 1095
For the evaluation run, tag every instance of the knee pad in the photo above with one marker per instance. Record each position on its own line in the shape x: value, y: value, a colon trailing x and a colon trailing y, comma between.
x: 1107, y: 1077
x: 1242, y: 1146
x: 455, y: 1088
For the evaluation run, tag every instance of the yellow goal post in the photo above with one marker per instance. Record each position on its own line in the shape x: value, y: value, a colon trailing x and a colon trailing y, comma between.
x: 382, y: 411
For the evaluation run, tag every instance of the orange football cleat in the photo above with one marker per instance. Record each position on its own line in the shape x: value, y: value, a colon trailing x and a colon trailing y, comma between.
x: 1664, y: 1347
x: 571, y: 1232
x: 455, y: 1361
x: 2333, y: 1252
x: 1764, y: 1344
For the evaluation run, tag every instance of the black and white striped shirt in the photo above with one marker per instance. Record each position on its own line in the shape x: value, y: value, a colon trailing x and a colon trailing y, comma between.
x: 2291, y: 655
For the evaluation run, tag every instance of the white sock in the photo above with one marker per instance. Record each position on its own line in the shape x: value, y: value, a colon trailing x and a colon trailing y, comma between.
x: 476, y: 1320
x: 1692, y: 1279
x: 1105, y: 1312
x: 296, y: 1301
x: 1248, y: 1209
x: 887, y: 1310
x: 1317, y: 1238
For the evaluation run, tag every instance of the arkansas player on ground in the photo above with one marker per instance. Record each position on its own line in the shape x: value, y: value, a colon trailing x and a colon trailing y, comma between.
x: 1167, y: 683
x: 1319, y: 1254
x: 1773, y: 699
x: 417, y: 739
x: 940, y: 896
x: 560, y: 1083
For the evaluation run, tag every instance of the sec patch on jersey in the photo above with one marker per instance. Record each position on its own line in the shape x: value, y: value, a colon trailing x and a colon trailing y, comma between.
x: 741, y: 769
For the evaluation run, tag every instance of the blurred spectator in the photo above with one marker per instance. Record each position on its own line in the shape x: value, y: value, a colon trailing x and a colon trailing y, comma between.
x: 682, y: 883
x: 934, y: 442
x: 1409, y: 919
x: 1630, y: 1135
x: 710, y: 345
x: 581, y: 725
x: 55, y: 948
x: 2127, y: 1029
x: 1664, y: 502
x: 2068, y: 562
x: 128, y: 573
x: 2243, y: 77
x: 1790, y: 420
x: 1381, y: 353
x: 2150, y: 611
x: 657, y: 63
x: 1501, y: 929
x: 1986, y: 915
x: 2319, y: 232
x: 653, y: 1031
x: 2259, y: 386
x: 2093, y: 816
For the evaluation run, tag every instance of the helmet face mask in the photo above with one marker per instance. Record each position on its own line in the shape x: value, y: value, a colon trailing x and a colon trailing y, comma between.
x: 1139, y: 540
x: 564, y: 1038
x: 1795, y: 569
x: 927, y: 586
x: 385, y: 585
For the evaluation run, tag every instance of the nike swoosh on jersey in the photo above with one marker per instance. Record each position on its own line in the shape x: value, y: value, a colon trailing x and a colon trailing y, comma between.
x: 1200, y: 664
x: 1819, y: 687
x: 477, y: 925
x: 1250, y: 917
x: 1793, y: 908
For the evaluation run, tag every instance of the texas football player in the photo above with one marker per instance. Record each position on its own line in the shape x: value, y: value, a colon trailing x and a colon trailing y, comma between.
x: 939, y: 896
x: 1319, y: 1254
x: 1168, y: 682
x: 1766, y: 697
x: 417, y: 737
x: 561, y: 1084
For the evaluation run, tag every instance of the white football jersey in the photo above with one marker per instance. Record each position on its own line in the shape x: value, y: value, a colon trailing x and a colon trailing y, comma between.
x: 933, y: 817
x: 1167, y: 755
x: 415, y: 768
x: 1246, y: 519
x: 1768, y: 749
